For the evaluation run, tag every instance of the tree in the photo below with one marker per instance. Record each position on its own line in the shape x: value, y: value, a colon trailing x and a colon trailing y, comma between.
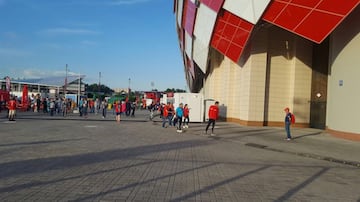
x: 173, y: 90
x: 96, y: 89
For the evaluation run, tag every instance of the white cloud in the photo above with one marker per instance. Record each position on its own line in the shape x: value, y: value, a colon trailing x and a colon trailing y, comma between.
x: 41, y: 73
x: 68, y: 31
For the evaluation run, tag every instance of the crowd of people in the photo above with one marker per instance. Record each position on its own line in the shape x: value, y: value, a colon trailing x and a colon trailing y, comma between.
x: 64, y: 106
x: 178, y: 117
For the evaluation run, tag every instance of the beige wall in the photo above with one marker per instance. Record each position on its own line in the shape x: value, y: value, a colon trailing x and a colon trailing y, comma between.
x: 290, y: 76
x: 343, y: 106
x: 241, y: 89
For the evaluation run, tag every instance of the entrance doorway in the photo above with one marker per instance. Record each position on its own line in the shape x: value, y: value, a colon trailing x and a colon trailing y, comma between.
x: 319, y: 85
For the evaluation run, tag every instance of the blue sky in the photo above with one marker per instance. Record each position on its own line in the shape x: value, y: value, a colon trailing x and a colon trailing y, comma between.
x: 122, y: 39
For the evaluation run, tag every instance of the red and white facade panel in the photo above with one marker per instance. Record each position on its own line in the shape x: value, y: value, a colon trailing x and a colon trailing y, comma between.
x: 215, y: 5
x: 200, y: 54
x: 179, y: 11
x: 204, y: 26
x: 227, y: 25
x: 249, y: 10
x: 311, y: 19
x: 230, y: 35
x: 189, y: 16
x: 188, y: 45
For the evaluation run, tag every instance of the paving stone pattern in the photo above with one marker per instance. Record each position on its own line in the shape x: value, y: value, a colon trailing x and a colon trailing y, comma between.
x: 47, y: 158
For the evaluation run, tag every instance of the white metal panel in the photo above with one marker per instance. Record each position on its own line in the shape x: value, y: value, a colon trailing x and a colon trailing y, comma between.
x: 180, y: 11
x: 188, y: 45
x: 204, y: 24
x: 200, y: 54
x: 250, y: 10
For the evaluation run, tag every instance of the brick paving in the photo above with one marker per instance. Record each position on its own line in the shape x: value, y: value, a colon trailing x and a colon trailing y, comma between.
x: 47, y: 158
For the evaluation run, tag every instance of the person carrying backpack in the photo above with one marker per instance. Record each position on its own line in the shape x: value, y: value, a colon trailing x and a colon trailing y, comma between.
x: 289, y: 118
x: 179, y: 113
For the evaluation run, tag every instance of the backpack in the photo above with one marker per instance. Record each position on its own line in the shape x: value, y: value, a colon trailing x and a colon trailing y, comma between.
x: 292, y: 118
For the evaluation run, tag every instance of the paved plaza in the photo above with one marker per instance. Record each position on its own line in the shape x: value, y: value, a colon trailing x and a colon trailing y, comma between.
x: 47, y: 158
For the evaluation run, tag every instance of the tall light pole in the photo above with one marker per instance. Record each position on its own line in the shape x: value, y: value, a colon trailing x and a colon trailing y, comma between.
x: 129, y: 87
x: 66, y: 75
x: 99, y: 82
x: 79, y: 90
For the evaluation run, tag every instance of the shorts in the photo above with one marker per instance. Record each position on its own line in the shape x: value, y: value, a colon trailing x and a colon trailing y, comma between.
x: 11, y: 112
x: 118, y: 113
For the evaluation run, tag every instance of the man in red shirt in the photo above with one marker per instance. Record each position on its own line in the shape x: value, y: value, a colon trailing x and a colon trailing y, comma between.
x: 117, y: 107
x: 12, y: 109
x: 213, y: 116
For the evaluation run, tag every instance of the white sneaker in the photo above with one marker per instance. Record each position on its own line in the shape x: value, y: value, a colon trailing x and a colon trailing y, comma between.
x: 212, y: 134
x: 187, y: 126
x: 184, y: 126
x: 179, y: 131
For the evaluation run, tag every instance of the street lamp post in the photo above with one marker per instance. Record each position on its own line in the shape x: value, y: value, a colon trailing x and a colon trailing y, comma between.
x: 66, y: 75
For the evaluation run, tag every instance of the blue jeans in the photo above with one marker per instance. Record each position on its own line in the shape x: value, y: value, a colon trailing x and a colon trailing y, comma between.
x: 287, y: 129
x: 164, y: 119
x: 170, y: 119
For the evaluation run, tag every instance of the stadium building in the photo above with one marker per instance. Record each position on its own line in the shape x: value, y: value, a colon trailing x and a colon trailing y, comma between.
x: 259, y: 56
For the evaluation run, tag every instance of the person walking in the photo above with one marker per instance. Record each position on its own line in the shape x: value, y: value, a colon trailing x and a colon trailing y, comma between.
x: 12, y: 109
x: 213, y: 116
x: 164, y: 115
x: 179, y: 116
x: 287, y: 123
x: 128, y: 108
x: 52, y: 107
x: 64, y: 107
x: 133, y: 108
x: 85, y: 107
x: 117, y: 111
x: 186, y: 116
x: 170, y: 108
x: 103, y: 107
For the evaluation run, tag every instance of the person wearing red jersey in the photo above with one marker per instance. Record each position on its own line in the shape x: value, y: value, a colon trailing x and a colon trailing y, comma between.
x: 12, y: 109
x: 164, y: 115
x: 213, y: 116
x: 186, y: 116
x: 117, y: 107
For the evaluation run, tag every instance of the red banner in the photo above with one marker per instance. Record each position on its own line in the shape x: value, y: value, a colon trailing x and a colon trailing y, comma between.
x: 25, y: 97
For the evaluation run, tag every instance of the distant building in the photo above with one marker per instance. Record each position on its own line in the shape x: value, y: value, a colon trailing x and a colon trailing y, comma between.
x: 121, y: 90
x: 48, y: 87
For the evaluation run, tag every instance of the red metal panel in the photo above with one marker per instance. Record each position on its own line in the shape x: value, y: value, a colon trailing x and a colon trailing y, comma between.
x: 312, y: 19
x: 343, y: 7
x: 234, y: 52
x: 231, y: 34
x: 291, y: 16
x: 318, y: 21
x: 273, y: 11
x: 215, y: 5
x: 307, y: 3
x: 184, y: 13
x: 189, y: 16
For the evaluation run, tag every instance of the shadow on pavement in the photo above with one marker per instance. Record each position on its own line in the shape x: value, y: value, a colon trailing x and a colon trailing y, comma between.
x: 54, y: 163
